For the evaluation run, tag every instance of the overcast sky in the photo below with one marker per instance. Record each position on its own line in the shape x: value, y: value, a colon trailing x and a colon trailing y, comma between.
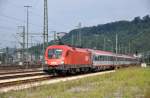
x: 64, y: 15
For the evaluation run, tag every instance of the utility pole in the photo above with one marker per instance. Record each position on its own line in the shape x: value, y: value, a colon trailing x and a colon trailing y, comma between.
x: 79, y: 34
x: 126, y: 51
x: 72, y: 41
x: 32, y: 49
x: 27, y: 25
x: 116, y: 48
x: 129, y: 47
x: 119, y: 48
x: 23, y: 42
x: 116, y: 43
x: 55, y: 35
x: 45, y: 28
x: 6, y: 60
x: 104, y: 47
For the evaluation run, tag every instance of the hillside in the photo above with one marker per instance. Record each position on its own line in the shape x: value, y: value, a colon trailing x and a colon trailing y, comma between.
x: 133, y: 36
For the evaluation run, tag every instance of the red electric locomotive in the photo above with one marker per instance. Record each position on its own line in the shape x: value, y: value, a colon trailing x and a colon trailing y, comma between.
x: 64, y: 59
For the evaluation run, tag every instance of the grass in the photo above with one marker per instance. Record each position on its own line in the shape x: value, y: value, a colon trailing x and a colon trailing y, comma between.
x: 124, y: 83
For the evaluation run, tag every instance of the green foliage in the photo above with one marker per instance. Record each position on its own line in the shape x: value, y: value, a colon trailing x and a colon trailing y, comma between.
x: 134, y: 34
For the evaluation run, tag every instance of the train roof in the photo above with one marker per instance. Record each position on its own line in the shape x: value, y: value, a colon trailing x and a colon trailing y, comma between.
x: 126, y: 56
x: 96, y: 52
x: 100, y: 52
x: 107, y: 53
x: 66, y: 47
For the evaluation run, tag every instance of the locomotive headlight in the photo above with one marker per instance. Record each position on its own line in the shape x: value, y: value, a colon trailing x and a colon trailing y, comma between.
x: 62, y: 62
x: 45, y: 62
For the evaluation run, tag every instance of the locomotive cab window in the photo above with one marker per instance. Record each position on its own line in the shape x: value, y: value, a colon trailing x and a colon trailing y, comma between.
x: 54, y: 53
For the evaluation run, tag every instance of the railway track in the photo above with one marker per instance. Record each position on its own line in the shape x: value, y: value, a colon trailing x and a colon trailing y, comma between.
x: 17, y: 78
x: 17, y: 81
x: 28, y: 82
x: 10, y: 69
x: 19, y: 71
x: 17, y: 75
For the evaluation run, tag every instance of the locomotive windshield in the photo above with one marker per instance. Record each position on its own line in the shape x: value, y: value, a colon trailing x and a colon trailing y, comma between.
x: 54, y: 53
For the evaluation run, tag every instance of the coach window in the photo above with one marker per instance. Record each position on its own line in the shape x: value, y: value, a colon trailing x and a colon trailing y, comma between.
x: 105, y: 58
x: 120, y: 58
x: 99, y: 58
x: 108, y: 58
x: 111, y: 58
x: 95, y: 58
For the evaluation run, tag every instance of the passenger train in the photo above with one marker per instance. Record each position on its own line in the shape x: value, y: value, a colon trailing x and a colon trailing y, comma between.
x: 67, y: 59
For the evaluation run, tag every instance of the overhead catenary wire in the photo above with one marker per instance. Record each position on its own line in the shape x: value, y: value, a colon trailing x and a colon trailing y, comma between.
x: 20, y: 20
x: 17, y: 19
x: 21, y: 7
x: 7, y: 28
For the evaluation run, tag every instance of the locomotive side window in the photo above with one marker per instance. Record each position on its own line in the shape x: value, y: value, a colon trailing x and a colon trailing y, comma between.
x: 54, y: 53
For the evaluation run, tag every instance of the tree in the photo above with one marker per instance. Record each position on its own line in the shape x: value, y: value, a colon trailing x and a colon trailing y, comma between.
x: 137, y: 19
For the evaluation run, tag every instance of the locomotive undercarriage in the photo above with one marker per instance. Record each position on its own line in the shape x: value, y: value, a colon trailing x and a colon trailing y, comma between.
x: 74, y: 69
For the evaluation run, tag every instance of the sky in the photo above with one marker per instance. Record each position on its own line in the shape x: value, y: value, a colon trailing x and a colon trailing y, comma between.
x: 64, y: 15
